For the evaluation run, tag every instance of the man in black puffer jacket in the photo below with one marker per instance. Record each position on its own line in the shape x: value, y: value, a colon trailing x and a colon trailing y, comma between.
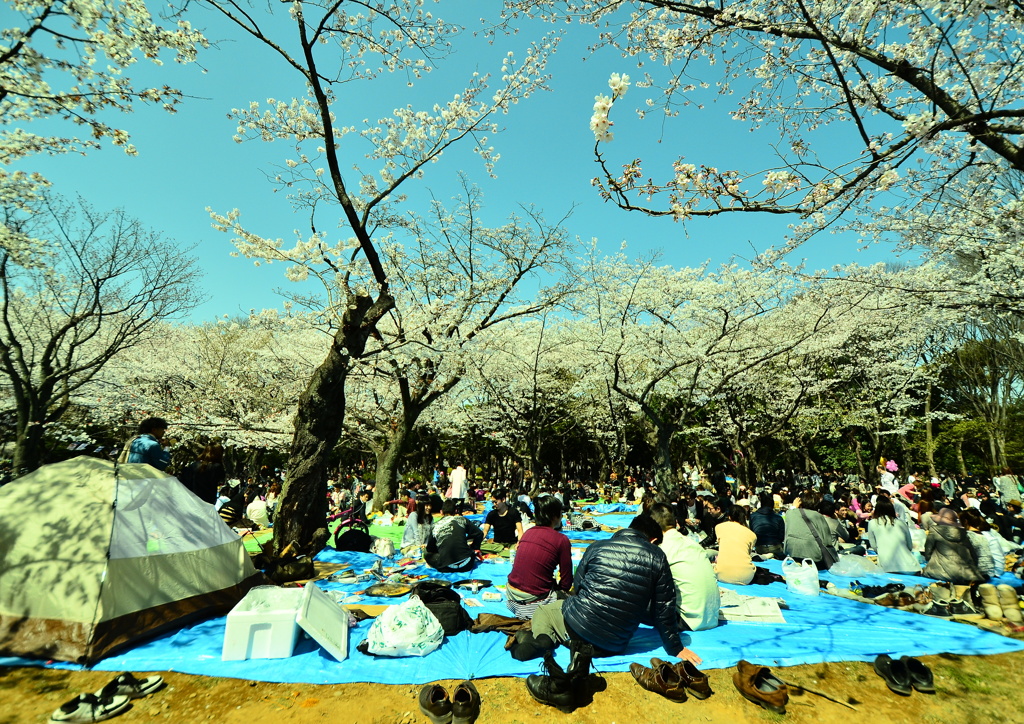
x: 620, y: 583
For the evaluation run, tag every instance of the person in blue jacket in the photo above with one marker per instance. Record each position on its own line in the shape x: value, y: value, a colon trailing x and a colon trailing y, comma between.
x: 146, y: 447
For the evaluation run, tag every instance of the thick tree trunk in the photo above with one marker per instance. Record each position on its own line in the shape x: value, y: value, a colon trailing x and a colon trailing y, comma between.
x: 302, y: 512
x: 301, y: 517
x: 386, y: 482
x: 29, y: 447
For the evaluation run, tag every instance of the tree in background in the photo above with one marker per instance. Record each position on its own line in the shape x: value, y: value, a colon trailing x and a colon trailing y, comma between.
x: 328, y: 44
x: 106, y: 284
x: 66, y: 60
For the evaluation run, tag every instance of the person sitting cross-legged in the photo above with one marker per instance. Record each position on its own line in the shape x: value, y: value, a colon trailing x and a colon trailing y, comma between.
x: 620, y: 583
x: 697, y: 597
x: 543, y: 548
x: 453, y: 541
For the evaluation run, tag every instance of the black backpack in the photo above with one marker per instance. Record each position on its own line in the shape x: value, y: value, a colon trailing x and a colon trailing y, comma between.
x: 446, y: 605
x: 353, y: 539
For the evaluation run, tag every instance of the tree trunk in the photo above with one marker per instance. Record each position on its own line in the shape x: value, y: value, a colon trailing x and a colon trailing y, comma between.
x: 29, y: 447
x: 302, y: 511
x: 386, y: 481
x: 958, y: 445
x: 301, y: 517
x: 929, y: 434
x: 663, y: 469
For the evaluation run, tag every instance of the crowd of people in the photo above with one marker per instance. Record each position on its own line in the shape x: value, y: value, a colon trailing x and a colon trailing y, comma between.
x: 664, y: 569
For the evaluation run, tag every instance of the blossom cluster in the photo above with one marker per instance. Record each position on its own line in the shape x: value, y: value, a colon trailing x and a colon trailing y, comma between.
x: 599, y: 122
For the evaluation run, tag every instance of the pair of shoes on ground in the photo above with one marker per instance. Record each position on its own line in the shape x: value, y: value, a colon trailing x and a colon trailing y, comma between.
x: 760, y: 686
x: 954, y: 608
x: 462, y: 708
x: 113, y: 699
x: 672, y: 680
x: 905, y: 674
x: 1001, y: 603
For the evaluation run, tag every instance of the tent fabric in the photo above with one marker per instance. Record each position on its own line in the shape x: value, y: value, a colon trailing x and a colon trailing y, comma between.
x: 817, y: 629
x: 95, y: 555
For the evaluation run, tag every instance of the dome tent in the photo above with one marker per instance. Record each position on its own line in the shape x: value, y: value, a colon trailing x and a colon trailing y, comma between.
x: 94, y: 556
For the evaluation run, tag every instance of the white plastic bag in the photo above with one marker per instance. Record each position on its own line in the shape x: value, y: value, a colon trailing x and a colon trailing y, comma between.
x: 801, y: 577
x: 855, y: 566
x: 383, y: 547
x: 408, y: 629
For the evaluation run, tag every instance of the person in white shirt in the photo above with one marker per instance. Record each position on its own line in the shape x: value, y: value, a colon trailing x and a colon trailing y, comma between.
x: 888, y: 481
x: 458, y: 482
x: 697, y: 597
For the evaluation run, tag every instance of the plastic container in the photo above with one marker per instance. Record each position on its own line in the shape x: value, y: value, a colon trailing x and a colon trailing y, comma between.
x: 262, y: 625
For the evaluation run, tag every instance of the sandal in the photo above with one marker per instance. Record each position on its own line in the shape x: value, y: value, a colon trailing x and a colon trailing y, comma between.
x: 90, y: 708
x: 127, y: 685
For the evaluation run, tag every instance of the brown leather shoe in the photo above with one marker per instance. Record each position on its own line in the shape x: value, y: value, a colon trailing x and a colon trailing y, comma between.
x: 758, y: 684
x: 661, y: 680
x: 693, y: 680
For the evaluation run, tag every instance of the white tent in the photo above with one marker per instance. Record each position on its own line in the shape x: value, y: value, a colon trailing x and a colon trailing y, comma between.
x: 94, y: 556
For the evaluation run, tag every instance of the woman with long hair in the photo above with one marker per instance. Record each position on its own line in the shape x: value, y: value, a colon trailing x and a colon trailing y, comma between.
x: 417, y: 527
x: 890, y: 538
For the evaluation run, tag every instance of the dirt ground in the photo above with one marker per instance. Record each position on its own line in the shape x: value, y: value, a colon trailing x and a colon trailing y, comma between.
x: 971, y: 690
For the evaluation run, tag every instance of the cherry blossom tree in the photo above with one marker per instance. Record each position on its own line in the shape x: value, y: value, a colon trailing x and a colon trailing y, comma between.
x: 933, y: 81
x: 237, y: 380
x: 106, y: 284
x: 67, y: 61
x: 329, y: 43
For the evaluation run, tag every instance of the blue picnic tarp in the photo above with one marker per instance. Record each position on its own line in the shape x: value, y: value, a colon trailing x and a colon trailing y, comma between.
x: 817, y: 629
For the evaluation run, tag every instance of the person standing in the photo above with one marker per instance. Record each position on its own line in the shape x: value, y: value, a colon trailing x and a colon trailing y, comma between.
x: 459, y: 487
x: 146, y: 447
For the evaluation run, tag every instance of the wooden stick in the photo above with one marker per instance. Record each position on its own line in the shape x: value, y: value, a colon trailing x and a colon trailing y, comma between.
x: 822, y: 694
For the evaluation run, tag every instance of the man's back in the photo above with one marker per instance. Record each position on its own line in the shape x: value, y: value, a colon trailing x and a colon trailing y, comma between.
x: 620, y: 582
x: 697, y: 597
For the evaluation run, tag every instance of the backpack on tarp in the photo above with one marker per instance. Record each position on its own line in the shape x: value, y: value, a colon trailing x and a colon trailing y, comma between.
x: 446, y: 605
x: 355, y: 540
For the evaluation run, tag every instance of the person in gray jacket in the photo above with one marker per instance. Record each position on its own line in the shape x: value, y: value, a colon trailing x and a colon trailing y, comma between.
x: 803, y: 523
x: 949, y: 552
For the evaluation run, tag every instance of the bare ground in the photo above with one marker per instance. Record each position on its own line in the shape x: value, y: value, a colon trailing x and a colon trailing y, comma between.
x: 971, y: 690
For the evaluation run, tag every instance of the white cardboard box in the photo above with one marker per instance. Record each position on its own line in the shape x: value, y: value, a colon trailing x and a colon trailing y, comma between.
x: 262, y: 625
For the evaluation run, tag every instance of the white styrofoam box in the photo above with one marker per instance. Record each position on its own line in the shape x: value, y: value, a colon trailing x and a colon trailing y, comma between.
x: 262, y: 625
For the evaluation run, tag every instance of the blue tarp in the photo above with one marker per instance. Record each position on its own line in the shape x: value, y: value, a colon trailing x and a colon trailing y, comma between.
x: 611, y: 508
x: 817, y: 629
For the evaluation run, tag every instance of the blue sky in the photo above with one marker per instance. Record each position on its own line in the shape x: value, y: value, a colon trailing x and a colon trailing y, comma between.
x: 188, y: 160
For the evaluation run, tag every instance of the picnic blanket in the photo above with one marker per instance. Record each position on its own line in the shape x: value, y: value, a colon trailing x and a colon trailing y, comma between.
x: 817, y: 629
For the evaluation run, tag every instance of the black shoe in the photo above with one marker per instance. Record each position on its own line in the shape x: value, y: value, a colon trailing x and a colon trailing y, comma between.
x: 555, y: 689
x: 895, y: 673
x: 920, y: 675
x: 937, y: 609
x: 465, y: 703
x: 435, y: 704
x: 961, y: 609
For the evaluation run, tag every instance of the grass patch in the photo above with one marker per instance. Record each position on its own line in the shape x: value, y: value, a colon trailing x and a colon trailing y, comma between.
x: 967, y: 682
